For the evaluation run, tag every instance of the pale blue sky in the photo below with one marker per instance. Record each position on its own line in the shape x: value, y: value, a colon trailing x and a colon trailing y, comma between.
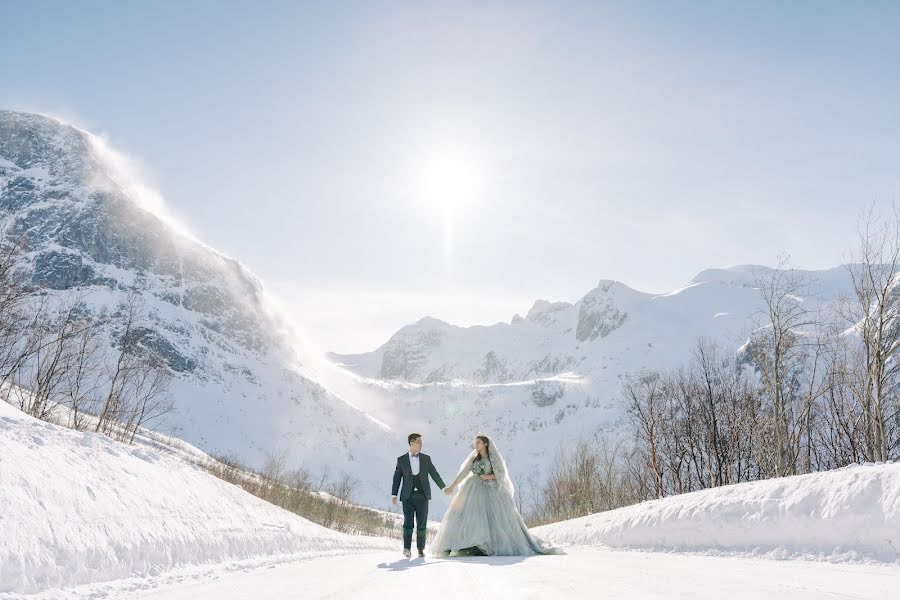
x: 637, y: 141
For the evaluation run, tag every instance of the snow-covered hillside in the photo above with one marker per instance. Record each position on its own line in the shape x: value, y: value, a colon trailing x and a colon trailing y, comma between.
x: 94, y: 231
x: 77, y: 508
x: 848, y: 514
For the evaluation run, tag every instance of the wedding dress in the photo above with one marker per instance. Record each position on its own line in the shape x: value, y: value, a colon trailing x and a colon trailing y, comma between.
x: 483, y: 514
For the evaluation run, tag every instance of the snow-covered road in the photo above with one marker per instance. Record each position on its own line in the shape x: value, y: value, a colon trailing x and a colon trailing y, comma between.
x: 583, y: 573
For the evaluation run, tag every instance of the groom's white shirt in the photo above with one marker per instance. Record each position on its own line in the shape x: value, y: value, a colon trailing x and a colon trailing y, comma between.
x: 414, y: 463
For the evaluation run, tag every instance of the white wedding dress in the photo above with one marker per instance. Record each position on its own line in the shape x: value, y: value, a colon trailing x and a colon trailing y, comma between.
x: 483, y: 514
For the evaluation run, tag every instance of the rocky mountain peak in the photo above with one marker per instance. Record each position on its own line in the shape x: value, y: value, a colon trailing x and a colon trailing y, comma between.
x: 33, y: 143
x: 82, y: 231
x: 543, y: 312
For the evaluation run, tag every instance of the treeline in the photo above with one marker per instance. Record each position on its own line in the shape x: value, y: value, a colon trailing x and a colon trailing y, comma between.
x: 809, y: 389
x: 56, y: 362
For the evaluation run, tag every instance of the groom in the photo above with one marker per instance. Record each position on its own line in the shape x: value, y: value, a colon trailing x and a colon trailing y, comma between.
x: 413, y: 469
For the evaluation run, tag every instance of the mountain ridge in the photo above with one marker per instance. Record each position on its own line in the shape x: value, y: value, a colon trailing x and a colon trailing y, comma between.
x: 432, y: 350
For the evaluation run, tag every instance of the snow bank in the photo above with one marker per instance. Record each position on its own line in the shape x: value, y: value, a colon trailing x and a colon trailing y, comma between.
x: 847, y: 514
x: 78, y: 507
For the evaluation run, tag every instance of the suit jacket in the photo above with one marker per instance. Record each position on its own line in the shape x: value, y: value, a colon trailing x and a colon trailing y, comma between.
x: 403, y: 474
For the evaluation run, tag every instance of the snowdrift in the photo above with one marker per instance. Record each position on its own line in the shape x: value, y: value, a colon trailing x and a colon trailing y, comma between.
x: 850, y: 514
x: 77, y: 508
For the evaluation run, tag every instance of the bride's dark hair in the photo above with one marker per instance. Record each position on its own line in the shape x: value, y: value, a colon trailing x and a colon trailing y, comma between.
x: 487, y: 447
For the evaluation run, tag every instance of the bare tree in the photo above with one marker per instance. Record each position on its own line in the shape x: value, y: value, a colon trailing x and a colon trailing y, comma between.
x: 20, y: 315
x: 645, y: 409
x: 83, y: 376
x: 678, y: 392
x: 44, y: 370
x: 840, y: 435
x: 586, y: 477
x: 137, y: 385
x: 147, y: 394
x: 571, y: 490
x: 272, y: 475
x: 45, y: 359
x: 114, y: 397
x: 779, y: 349
x: 344, y: 488
x: 872, y: 314
x: 608, y: 476
x: 711, y: 410
x: 817, y: 384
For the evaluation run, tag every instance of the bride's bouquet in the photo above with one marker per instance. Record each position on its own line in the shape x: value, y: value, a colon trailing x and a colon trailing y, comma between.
x: 478, y: 468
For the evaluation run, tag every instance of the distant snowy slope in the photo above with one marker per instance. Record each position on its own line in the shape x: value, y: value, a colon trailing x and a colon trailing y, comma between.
x: 77, y: 508
x: 848, y: 514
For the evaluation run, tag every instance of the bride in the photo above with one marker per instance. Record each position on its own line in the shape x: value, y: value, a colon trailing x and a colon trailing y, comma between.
x: 482, y: 518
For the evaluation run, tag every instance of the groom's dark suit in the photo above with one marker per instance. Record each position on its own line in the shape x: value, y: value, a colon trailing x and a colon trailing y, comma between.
x: 415, y: 494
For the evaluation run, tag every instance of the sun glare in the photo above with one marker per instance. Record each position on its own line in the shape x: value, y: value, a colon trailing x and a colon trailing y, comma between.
x: 451, y: 180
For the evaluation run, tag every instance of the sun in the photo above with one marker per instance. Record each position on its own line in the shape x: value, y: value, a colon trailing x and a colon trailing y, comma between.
x: 450, y: 188
x: 451, y: 180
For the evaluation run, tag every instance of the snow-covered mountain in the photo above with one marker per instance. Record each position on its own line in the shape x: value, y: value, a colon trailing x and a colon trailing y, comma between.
x: 611, y: 324
x: 540, y: 381
x: 93, y: 231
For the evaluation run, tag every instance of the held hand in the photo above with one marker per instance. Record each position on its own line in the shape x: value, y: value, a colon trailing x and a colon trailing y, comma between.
x: 394, y: 500
x: 448, y: 490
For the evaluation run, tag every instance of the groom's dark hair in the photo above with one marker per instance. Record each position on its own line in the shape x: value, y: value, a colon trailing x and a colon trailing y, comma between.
x: 413, y: 437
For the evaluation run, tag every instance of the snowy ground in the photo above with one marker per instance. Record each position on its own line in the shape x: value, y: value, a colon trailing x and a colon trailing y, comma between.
x: 78, y: 508
x: 582, y: 573
x: 849, y: 514
x: 83, y: 516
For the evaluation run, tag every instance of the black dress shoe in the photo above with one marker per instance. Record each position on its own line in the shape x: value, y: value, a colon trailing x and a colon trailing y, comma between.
x: 421, y: 554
